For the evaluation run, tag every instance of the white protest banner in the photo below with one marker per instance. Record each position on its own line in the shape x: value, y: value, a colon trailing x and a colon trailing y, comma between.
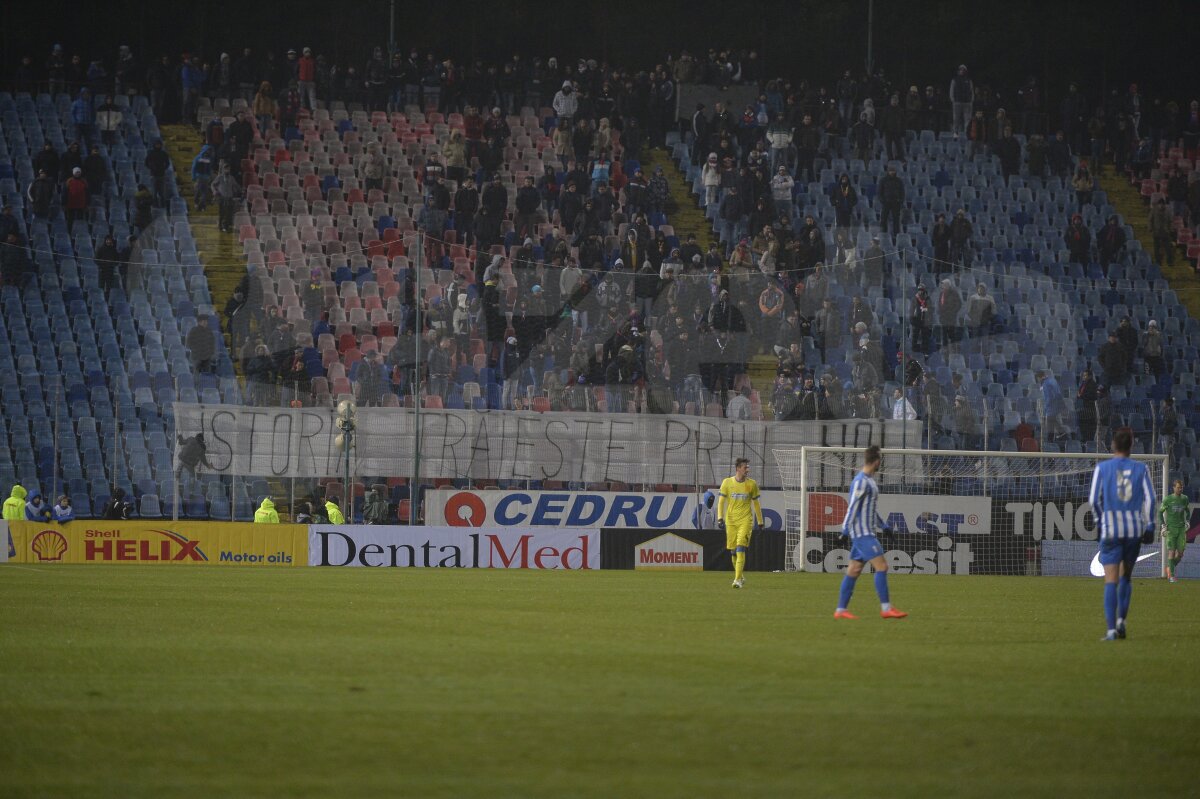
x: 512, y: 445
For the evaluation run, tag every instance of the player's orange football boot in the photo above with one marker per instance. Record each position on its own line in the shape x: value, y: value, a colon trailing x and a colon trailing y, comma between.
x: 843, y: 614
x: 892, y: 613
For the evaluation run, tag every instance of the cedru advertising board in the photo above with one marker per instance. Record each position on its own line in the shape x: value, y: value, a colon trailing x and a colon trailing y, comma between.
x: 947, y: 515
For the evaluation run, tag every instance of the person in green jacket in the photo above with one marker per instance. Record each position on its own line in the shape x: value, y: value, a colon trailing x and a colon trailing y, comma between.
x: 1174, y: 513
x: 334, y: 512
x: 376, y: 510
x: 14, y: 506
x: 266, y: 513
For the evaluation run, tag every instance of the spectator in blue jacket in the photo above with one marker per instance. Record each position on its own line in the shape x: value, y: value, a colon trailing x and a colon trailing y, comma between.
x: 1053, y: 406
x: 191, y: 79
x: 35, y: 508
x: 83, y: 114
x: 202, y: 166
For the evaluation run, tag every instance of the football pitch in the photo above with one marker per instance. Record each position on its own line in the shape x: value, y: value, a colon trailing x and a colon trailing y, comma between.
x: 151, y: 681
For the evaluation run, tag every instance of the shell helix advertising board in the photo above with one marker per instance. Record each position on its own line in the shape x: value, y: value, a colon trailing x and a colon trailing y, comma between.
x: 179, y: 543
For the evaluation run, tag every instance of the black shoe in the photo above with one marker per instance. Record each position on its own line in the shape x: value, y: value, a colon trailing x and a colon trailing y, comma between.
x: 1121, y: 631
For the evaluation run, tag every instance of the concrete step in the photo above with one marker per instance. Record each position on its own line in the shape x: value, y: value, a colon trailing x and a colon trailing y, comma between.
x: 761, y: 370
x: 1128, y: 201
x: 687, y: 218
x: 224, y: 265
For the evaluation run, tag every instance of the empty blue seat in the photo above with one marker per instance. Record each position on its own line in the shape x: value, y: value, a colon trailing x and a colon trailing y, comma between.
x: 195, y: 507
x: 148, y: 507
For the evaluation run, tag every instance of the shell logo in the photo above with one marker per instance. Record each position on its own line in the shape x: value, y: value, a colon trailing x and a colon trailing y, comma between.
x: 49, y: 545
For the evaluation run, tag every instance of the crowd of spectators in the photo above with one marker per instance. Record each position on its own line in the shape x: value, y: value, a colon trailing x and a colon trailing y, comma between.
x: 1116, y: 123
x: 600, y: 291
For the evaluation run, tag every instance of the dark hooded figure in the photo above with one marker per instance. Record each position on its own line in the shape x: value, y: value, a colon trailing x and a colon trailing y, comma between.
x: 118, y: 507
x: 192, y: 453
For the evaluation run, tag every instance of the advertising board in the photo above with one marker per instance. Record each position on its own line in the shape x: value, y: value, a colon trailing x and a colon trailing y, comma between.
x: 161, y: 543
x: 453, y: 547
x: 685, y: 549
x: 1081, y: 559
x: 934, y: 534
x: 954, y: 516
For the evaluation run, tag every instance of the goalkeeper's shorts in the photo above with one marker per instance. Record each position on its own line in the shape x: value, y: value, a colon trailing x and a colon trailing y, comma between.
x: 865, y: 548
x: 1177, y: 541
x: 738, y: 534
x: 1119, y: 550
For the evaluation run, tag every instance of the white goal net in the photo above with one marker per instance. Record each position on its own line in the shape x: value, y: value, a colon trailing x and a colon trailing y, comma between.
x: 955, y: 512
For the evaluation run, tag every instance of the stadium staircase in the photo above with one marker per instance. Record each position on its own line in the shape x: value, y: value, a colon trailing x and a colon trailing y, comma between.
x: 688, y: 218
x: 1132, y: 207
x: 224, y: 264
x: 761, y: 370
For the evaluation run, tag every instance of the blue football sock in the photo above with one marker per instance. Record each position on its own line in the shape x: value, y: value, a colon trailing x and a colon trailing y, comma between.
x: 1124, y: 594
x: 1110, y: 605
x: 881, y: 587
x: 846, y: 592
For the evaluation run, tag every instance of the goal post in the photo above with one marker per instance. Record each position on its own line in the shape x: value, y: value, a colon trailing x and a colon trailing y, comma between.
x: 957, y: 511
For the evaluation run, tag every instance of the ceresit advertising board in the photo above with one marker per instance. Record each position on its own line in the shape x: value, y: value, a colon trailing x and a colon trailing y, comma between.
x: 454, y: 547
x: 168, y: 543
x: 952, y: 516
x: 935, y: 534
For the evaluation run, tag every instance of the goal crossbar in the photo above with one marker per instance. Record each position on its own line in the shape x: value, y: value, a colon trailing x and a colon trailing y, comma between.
x: 969, y: 453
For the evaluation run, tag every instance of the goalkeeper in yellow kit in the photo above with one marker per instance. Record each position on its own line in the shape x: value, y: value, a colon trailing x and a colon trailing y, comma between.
x: 739, y: 513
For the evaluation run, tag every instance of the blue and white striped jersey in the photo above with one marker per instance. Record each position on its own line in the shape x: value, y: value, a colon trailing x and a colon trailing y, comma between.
x: 1122, y: 498
x: 861, y: 517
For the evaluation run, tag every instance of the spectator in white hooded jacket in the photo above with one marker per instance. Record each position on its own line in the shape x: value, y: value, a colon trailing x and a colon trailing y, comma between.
x: 710, y: 176
x: 781, y: 191
x: 566, y: 104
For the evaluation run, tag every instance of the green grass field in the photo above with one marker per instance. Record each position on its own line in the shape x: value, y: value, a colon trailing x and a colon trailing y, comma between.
x: 144, y: 681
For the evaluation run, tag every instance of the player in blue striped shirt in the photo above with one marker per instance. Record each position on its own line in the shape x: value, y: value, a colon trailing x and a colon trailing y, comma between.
x: 859, y: 526
x: 1122, y: 499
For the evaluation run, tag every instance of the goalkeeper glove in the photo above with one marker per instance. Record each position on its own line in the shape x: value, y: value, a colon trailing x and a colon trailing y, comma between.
x: 720, y: 524
x: 758, y: 526
x: 885, y: 536
x: 1148, y: 535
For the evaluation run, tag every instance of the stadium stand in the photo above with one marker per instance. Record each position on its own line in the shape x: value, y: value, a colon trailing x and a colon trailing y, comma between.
x: 89, y: 376
x: 336, y: 246
x: 1055, y: 311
